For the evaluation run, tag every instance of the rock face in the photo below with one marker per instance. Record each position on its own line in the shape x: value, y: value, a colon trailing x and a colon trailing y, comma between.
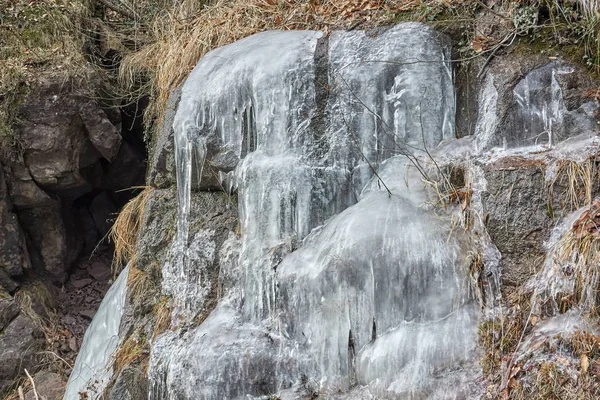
x: 64, y: 138
x: 21, y: 341
x: 528, y: 100
x: 333, y: 237
x: 14, y: 257
x: 58, y: 198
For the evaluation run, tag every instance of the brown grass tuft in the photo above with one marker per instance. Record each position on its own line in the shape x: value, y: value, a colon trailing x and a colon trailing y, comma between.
x: 579, y: 251
x: 131, y: 351
x: 162, y: 314
x: 125, y: 230
x: 182, y: 35
x: 139, y: 283
x: 578, y: 180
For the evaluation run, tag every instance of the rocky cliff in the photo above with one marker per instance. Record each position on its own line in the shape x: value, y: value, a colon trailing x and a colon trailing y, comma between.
x: 335, y: 239
x: 352, y: 214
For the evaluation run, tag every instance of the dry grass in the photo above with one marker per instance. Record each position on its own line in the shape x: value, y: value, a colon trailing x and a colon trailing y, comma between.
x: 125, y: 230
x: 501, y: 337
x: 579, y: 250
x: 578, y: 180
x: 162, y: 314
x: 131, y: 351
x: 36, y: 38
x: 139, y: 283
x: 184, y: 34
x: 24, y: 299
x: 177, y: 38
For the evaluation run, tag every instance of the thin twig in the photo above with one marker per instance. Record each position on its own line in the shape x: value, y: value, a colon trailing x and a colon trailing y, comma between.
x: 32, y: 385
x: 412, y: 158
x: 371, y: 167
x: 119, y: 10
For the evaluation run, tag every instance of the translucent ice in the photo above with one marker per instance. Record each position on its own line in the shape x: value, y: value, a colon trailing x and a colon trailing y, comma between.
x: 93, y: 367
x: 334, y: 264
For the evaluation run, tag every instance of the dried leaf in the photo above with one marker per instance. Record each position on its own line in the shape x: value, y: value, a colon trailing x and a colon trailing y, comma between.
x: 584, y: 362
x: 563, y: 361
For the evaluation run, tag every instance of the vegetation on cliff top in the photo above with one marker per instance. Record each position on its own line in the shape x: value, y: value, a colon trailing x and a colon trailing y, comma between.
x: 149, y: 47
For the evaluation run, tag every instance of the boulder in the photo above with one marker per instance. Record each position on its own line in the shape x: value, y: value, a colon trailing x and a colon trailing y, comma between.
x: 20, y: 342
x: 24, y: 192
x: 161, y: 163
x: 101, y: 132
x: 64, y: 134
x: 48, y: 385
x: 48, y: 239
x: 14, y: 257
x: 8, y: 310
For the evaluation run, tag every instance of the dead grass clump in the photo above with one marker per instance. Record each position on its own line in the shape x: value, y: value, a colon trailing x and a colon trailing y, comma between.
x: 37, y: 38
x: 24, y: 299
x: 578, y: 254
x: 162, y: 314
x: 133, y: 350
x: 500, y: 338
x: 578, y: 181
x: 125, y: 230
x: 182, y: 35
x: 139, y: 283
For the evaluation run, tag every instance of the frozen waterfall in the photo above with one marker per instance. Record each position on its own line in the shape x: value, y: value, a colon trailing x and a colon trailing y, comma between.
x: 343, y: 280
x: 347, y: 281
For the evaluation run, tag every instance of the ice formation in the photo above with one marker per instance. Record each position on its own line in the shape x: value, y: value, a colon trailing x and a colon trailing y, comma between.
x: 93, y: 367
x: 344, y: 282
x: 348, y: 283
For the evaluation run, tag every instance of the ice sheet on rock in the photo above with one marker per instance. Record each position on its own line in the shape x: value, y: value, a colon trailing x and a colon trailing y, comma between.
x: 374, y: 272
x: 428, y: 357
x: 187, y: 273
x: 391, y: 93
x: 222, y: 359
x: 255, y: 94
x: 566, y: 272
x: 537, y: 113
x: 305, y: 115
x: 93, y: 367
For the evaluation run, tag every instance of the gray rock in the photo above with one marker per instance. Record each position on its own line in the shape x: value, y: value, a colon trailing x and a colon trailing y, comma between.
x: 99, y: 271
x: 518, y: 221
x: 49, y: 386
x: 24, y: 192
x: 20, y: 342
x: 225, y: 161
x: 131, y: 384
x: 81, y: 283
x: 520, y: 213
x: 14, y: 257
x: 8, y: 310
x: 6, y: 282
x: 53, y: 132
x: 103, y: 212
x: 101, y: 132
x: 161, y: 165
x: 48, y: 239
x: 88, y: 314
